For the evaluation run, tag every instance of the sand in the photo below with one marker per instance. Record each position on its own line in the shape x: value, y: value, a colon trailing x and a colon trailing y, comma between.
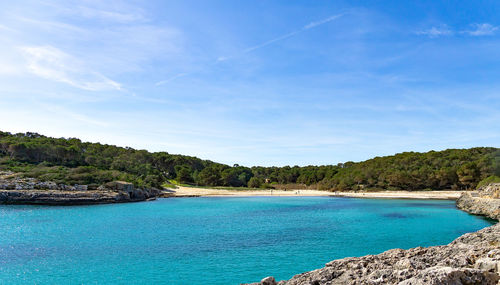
x: 446, y: 195
x: 195, y: 191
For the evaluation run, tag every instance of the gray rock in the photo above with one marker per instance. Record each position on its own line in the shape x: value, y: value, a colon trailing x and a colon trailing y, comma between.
x: 58, y: 197
x: 268, y: 281
x: 80, y: 187
x: 16, y: 190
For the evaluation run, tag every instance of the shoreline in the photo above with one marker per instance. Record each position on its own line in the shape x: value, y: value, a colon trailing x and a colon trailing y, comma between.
x: 92, y: 197
x: 74, y: 198
x: 424, y: 195
x: 182, y: 191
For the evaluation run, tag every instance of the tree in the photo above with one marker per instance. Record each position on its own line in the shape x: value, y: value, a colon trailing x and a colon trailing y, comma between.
x: 183, y: 174
x: 255, y: 182
x: 468, y: 174
x: 210, y: 176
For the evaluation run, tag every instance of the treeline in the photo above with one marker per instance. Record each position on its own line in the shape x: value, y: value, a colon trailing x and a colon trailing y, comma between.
x: 72, y: 161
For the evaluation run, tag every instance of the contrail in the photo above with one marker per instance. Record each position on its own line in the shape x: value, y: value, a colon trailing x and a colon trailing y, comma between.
x: 309, y: 26
x: 285, y: 36
x: 170, y: 79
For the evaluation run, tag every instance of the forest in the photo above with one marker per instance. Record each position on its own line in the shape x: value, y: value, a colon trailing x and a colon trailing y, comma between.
x: 71, y: 161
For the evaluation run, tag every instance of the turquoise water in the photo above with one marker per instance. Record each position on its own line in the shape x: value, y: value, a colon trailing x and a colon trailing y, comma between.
x: 212, y: 240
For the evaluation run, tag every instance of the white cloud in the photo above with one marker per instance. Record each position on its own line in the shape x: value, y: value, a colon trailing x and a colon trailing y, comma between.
x: 51, y: 26
x: 5, y: 28
x: 484, y: 29
x: 435, y: 32
x: 111, y: 11
x: 53, y: 64
x: 108, y: 15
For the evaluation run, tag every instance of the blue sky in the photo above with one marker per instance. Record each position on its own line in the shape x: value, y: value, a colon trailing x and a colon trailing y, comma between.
x: 255, y: 82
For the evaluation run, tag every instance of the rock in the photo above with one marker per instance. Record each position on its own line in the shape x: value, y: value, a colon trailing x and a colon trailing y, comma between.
x: 268, y: 281
x: 482, y: 205
x: 31, y: 191
x: 80, y: 187
x: 120, y: 186
x: 488, y: 264
x: 448, y: 275
x: 58, y: 197
x: 491, y: 190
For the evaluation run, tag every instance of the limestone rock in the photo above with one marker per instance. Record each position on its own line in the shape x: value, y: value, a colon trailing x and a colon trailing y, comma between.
x: 18, y: 190
x: 268, y: 281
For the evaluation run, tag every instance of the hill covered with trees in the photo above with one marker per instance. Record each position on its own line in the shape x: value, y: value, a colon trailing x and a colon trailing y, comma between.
x: 71, y: 161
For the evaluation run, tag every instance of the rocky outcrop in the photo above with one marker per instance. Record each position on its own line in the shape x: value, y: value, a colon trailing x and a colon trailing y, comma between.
x: 483, y: 202
x: 473, y: 258
x: 59, y: 197
x: 12, y: 181
x: 19, y: 190
x: 490, y: 191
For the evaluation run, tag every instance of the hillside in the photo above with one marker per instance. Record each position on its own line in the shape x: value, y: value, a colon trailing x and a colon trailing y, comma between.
x: 71, y: 161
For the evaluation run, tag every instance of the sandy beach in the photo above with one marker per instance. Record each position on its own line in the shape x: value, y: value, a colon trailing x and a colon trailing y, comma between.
x: 446, y: 195
x: 195, y: 191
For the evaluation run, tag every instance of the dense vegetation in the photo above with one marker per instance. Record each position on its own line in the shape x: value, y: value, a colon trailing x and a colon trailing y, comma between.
x: 72, y: 161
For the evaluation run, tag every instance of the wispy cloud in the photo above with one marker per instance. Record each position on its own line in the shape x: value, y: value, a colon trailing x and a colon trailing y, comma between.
x: 54, y: 26
x: 435, y: 32
x: 285, y: 36
x: 5, y: 28
x: 110, y: 11
x: 159, y: 83
x: 484, y: 29
x: 53, y: 64
x: 108, y: 15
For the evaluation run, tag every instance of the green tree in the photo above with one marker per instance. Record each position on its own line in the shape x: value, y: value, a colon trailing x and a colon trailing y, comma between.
x: 255, y: 182
x: 183, y: 174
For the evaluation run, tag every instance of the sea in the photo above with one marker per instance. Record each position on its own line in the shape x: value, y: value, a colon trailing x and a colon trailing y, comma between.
x: 213, y: 240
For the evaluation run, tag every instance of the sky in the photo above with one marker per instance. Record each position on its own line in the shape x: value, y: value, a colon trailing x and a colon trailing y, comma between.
x: 261, y: 82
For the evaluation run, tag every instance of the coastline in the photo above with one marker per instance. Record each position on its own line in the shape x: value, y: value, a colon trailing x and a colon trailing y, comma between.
x: 74, y: 198
x: 91, y: 197
x: 182, y: 191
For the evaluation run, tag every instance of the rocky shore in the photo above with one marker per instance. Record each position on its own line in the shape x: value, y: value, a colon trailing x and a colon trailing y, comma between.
x: 485, y: 202
x: 14, y: 190
x: 473, y: 258
x: 66, y: 198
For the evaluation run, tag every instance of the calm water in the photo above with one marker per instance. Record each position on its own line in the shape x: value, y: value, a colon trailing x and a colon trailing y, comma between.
x: 212, y: 240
